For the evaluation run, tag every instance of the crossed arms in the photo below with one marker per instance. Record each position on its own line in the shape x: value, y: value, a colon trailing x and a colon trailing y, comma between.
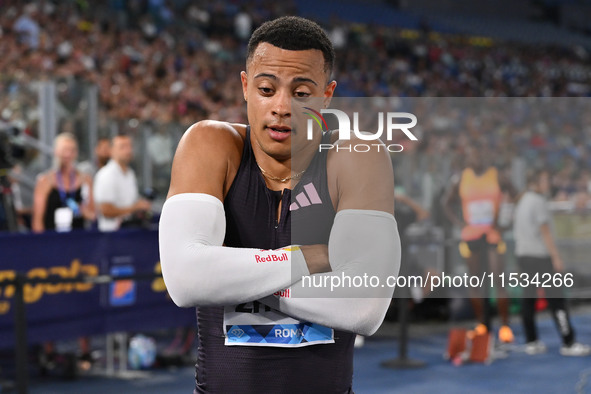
x: 198, y: 270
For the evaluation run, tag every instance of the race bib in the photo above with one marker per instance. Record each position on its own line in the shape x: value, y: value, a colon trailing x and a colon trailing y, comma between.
x: 256, y: 324
x: 481, y: 212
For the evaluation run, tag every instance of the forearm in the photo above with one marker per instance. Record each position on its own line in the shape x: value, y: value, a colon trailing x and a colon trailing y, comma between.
x: 109, y: 210
x: 549, y: 240
x: 39, y: 206
x: 197, y: 270
x: 359, y: 315
x: 88, y: 212
x: 451, y: 195
x: 417, y: 209
x: 452, y: 216
x: 37, y: 223
x: 359, y: 247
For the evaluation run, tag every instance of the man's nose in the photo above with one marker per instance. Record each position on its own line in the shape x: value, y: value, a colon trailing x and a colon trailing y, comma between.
x: 282, y: 104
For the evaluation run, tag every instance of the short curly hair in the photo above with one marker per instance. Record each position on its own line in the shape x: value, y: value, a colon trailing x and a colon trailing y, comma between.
x: 293, y: 33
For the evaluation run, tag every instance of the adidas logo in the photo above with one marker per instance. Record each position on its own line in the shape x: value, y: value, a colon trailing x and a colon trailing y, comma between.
x: 308, y: 197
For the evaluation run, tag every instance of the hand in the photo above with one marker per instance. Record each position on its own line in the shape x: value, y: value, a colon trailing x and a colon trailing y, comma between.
x: 142, y: 205
x: 422, y: 214
x: 88, y: 214
x: 558, y: 263
x: 316, y: 258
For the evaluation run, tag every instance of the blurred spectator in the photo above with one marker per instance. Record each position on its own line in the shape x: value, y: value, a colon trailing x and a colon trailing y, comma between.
x: 582, y: 195
x: 538, y: 256
x: 116, y: 191
x: 27, y: 27
x: 25, y: 173
x: 161, y: 149
x: 243, y: 25
x: 155, y: 59
x: 62, y: 201
x: 63, y: 195
x: 479, y: 189
x: 102, y: 154
x: 406, y: 213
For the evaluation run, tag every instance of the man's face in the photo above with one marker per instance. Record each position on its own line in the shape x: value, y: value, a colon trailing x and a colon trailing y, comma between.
x: 122, y: 149
x: 103, y: 150
x: 275, y: 77
x: 474, y: 159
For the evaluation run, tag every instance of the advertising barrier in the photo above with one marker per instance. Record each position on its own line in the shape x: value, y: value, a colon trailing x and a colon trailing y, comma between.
x: 58, y: 308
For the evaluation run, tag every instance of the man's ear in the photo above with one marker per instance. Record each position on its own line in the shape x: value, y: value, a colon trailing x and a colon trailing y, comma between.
x: 244, y: 80
x: 328, y: 92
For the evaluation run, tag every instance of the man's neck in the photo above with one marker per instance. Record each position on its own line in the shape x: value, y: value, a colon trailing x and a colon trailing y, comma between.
x: 124, y: 167
x: 102, y: 162
x: 480, y: 170
x: 292, y: 168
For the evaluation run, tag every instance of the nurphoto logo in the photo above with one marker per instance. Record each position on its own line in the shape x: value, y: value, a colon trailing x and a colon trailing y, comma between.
x: 391, y: 125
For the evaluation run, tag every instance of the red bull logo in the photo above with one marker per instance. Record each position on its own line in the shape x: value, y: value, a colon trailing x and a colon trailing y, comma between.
x: 271, y: 257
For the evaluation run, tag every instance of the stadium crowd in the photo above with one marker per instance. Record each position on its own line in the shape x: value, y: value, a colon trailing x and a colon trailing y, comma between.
x: 179, y: 62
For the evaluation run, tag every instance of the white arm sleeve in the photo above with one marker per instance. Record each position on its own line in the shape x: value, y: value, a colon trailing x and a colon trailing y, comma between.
x: 198, y: 270
x: 362, y: 244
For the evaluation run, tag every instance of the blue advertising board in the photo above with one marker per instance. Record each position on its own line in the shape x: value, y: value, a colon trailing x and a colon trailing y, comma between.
x: 66, y: 310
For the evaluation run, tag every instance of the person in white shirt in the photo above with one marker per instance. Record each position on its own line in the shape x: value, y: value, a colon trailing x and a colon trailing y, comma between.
x: 115, y: 188
x: 537, y: 255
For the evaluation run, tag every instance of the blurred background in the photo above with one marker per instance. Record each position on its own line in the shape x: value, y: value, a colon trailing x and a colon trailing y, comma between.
x: 152, y: 68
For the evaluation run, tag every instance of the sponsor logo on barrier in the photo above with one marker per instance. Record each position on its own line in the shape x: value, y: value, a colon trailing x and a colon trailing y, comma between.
x: 122, y: 291
x: 158, y: 285
x: 35, y: 292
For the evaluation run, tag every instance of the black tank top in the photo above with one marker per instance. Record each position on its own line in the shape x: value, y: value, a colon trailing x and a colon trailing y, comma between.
x: 54, y: 201
x: 306, y: 217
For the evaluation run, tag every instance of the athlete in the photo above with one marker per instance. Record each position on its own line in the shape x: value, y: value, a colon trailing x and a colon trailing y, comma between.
x: 254, y: 209
x: 480, y: 190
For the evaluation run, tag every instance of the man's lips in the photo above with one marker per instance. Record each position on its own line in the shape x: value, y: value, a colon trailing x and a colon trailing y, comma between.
x: 278, y: 132
x: 279, y: 128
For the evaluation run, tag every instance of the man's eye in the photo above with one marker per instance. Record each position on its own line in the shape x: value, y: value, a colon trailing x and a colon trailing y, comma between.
x: 302, y: 94
x: 266, y: 90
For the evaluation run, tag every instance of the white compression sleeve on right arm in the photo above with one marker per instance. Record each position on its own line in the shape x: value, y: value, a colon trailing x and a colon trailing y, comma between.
x: 198, y: 270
